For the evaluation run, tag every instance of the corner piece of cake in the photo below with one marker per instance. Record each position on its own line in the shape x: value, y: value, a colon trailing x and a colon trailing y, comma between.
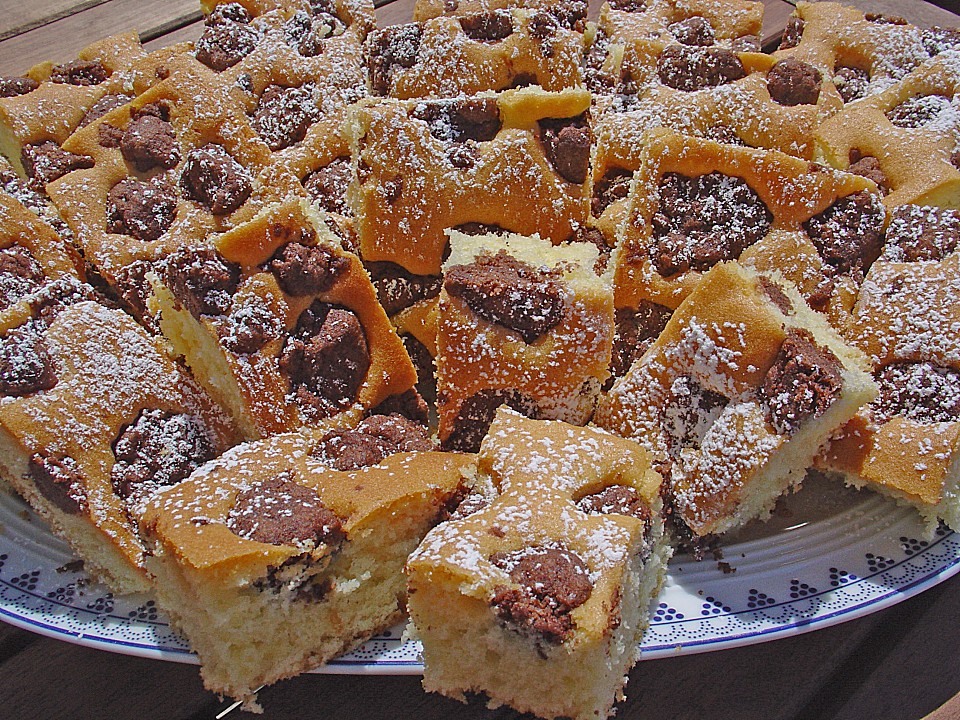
x: 520, y: 322
x: 288, y: 551
x: 548, y: 582
x: 906, y: 444
x: 735, y: 397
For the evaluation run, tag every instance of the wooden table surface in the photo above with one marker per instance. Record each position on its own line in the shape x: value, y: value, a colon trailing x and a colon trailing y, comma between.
x: 902, y: 663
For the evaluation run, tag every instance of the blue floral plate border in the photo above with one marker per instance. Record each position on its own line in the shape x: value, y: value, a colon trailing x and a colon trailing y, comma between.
x: 829, y: 555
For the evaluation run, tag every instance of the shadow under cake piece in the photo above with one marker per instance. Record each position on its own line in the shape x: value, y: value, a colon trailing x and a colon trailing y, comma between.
x: 861, y: 53
x: 493, y: 50
x: 906, y: 444
x: 272, y: 562
x: 36, y: 264
x: 906, y: 138
x: 516, y: 160
x: 521, y: 323
x: 688, y: 45
x: 169, y: 168
x: 281, y: 324
x: 735, y: 397
x: 549, y: 582
x: 39, y: 111
x: 94, y: 418
x: 695, y: 202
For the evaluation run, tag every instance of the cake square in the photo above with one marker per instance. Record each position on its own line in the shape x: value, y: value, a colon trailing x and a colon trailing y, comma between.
x: 39, y: 111
x: 689, y: 45
x: 904, y: 137
x: 167, y: 169
x: 94, y: 417
x: 517, y: 160
x: 33, y: 258
x: 861, y: 53
x: 520, y: 322
x: 272, y: 561
x: 549, y: 581
x: 906, y: 444
x: 695, y: 202
x: 281, y: 324
x: 464, y: 55
x: 735, y: 397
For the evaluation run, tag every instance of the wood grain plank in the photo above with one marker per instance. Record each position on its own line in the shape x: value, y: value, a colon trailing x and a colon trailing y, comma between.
x: 18, y: 17
x: 62, y: 40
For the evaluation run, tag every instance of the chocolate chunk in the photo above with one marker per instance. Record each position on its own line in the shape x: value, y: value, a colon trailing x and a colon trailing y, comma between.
x: 629, y: 5
x: 398, y: 289
x: 869, y: 167
x: 471, y: 502
x: 306, y: 269
x: 325, y: 360
x: 776, y: 295
x: 109, y: 136
x: 566, y: 143
x: 63, y: 292
x: 921, y: 234
x: 851, y: 82
x: 690, y: 414
x: 695, y: 30
x: 792, y: 82
x: 508, y: 292
x: 849, y: 234
x: 327, y: 186
x: 12, y: 86
x: 553, y: 581
x: 157, y: 449
x: 571, y: 14
x: 920, y: 111
x: 938, y: 39
x: 374, y: 439
x: 613, y: 186
x: 477, y: 413
x: 746, y: 43
x: 881, y: 19
x: 142, y: 210
x: 201, y: 280
x: 223, y: 44
x: 25, y: 365
x: 249, y: 326
x: 458, y: 121
x: 307, y: 32
x: 616, y: 500
x: 228, y: 12
x: 60, y: 481
x: 920, y: 391
x: 280, y: 511
x: 595, y: 55
x: 705, y: 220
x: 803, y: 382
x: 46, y: 162
x: 20, y: 275
x: 130, y: 284
x: 148, y: 142
x: 408, y: 404
x: 686, y: 68
x: 792, y: 33
x: 79, y: 72
x: 104, y: 105
x: 397, y: 45
x: 634, y: 332
x: 488, y: 27
x: 213, y: 178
